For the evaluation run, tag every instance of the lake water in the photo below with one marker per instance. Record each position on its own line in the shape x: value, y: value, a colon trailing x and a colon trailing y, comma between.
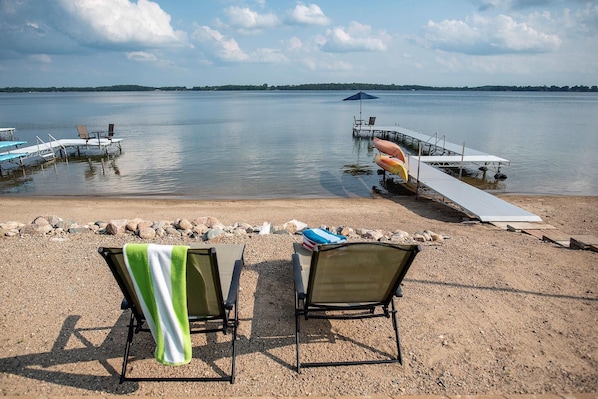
x: 249, y: 145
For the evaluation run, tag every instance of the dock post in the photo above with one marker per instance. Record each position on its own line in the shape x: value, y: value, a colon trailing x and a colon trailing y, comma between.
x: 419, y: 155
x: 461, y: 164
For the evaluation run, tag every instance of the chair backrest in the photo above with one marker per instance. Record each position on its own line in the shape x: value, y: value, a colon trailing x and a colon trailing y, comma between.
x: 204, y: 292
x: 83, y: 133
x: 110, y: 130
x: 364, y: 272
x: 372, y: 120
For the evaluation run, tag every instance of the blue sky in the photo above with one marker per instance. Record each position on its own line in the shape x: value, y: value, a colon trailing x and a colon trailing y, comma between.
x: 215, y: 42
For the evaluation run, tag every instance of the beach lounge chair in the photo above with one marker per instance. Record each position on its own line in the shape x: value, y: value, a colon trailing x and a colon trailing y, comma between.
x: 212, y: 285
x: 371, y: 121
x: 83, y: 133
x: 356, y: 280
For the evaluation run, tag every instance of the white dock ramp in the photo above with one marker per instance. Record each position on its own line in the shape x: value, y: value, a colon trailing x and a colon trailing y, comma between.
x: 484, y: 206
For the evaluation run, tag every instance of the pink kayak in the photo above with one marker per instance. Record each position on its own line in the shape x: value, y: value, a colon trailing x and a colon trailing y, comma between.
x: 389, y: 148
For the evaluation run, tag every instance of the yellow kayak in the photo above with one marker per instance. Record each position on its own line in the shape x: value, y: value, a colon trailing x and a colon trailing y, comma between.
x: 392, y: 165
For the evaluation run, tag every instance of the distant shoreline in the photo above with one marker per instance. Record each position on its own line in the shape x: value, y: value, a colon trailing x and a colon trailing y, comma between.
x: 306, y: 87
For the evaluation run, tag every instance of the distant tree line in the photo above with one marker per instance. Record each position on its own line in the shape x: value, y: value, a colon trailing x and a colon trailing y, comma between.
x: 307, y: 86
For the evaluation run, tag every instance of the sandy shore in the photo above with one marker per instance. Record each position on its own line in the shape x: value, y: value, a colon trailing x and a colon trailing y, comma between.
x: 487, y: 311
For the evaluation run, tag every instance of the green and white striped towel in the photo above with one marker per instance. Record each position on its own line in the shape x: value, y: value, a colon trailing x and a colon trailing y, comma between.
x: 159, y: 276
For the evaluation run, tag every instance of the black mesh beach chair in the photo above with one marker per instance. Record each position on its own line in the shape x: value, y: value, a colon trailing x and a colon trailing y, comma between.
x: 110, y: 134
x: 212, y: 281
x: 350, y: 281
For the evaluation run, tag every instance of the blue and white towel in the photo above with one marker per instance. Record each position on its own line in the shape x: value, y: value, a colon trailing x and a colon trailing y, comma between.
x: 313, y: 237
x: 159, y: 277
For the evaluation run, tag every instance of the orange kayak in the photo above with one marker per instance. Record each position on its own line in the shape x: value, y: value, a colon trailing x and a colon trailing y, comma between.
x: 392, y: 165
x: 389, y: 148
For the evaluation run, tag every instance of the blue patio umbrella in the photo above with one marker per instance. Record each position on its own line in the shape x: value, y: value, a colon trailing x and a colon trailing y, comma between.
x: 360, y: 96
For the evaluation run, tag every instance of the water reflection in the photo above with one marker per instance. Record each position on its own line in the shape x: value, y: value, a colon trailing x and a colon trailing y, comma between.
x: 297, y: 144
x: 61, y: 176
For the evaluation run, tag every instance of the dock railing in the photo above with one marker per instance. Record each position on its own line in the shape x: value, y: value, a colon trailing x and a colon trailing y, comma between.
x: 46, y: 150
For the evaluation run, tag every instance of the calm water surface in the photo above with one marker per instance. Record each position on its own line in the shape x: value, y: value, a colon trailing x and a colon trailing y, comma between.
x: 295, y: 144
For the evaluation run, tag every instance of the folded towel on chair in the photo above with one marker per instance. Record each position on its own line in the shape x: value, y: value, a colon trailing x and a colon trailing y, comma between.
x: 159, y: 277
x: 312, y: 237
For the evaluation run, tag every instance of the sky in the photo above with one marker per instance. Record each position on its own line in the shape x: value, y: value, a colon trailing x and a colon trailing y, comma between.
x: 80, y: 43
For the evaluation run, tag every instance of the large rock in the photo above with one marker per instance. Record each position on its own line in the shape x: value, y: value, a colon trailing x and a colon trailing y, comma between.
x: 133, y: 224
x: 183, y: 224
x: 294, y: 226
x: 11, y: 225
x: 116, y: 226
x: 212, y: 233
x: 373, y: 235
x: 346, y: 231
x: 36, y: 229
x: 40, y: 221
x: 53, y: 220
x: 209, y: 221
x: 146, y: 233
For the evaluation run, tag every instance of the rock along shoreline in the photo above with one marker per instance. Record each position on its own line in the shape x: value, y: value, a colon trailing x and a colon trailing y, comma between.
x: 204, y: 228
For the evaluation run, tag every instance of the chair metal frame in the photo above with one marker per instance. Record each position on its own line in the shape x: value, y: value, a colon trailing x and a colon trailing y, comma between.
x: 304, y: 307
x: 137, y: 319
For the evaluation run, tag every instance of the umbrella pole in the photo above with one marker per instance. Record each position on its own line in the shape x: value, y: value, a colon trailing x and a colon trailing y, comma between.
x: 360, y: 118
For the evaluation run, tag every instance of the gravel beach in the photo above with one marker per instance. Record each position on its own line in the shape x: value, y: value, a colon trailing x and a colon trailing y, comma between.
x: 485, y: 311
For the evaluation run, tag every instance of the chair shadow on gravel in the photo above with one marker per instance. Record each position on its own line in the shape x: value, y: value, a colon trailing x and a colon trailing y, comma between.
x: 59, y: 365
x: 273, y: 320
x: 272, y: 327
x: 272, y: 334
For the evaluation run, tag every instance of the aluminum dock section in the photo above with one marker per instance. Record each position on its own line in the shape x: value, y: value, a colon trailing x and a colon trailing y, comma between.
x: 80, y: 146
x: 437, y: 151
x: 484, y: 206
x: 43, y: 152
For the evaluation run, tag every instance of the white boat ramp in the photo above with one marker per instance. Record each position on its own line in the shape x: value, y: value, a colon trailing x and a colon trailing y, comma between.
x: 478, y: 203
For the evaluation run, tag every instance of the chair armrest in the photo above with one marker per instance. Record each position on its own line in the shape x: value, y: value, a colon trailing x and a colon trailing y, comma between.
x: 298, y: 279
x: 234, y: 285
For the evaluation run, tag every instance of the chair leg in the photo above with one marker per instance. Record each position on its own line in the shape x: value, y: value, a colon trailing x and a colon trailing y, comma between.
x: 297, y: 330
x: 127, y: 348
x: 395, y: 325
x: 235, y: 325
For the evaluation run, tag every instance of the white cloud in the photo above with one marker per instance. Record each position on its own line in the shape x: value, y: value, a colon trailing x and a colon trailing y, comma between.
x: 314, y: 64
x: 293, y: 44
x: 246, y: 19
x: 119, y: 23
x: 489, y: 35
x: 268, y: 55
x: 141, y: 56
x: 214, y: 44
x: 151, y: 58
x: 41, y: 58
x: 586, y: 20
x: 485, y: 5
x: 356, y: 37
x: 308, y: 15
